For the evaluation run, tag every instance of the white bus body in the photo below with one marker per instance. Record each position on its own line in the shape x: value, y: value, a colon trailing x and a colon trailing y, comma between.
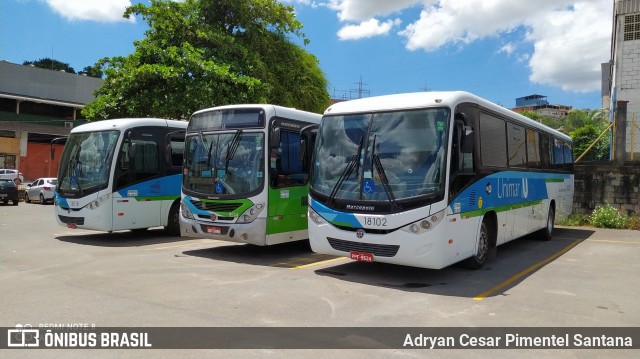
x: 243, y: 178
x: 121, y: 174
x: 433, y: 178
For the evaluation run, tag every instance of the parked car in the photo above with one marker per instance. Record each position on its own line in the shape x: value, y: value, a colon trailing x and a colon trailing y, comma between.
x: 8, y: 191
x: 13, y: 175
x: 40, y: 190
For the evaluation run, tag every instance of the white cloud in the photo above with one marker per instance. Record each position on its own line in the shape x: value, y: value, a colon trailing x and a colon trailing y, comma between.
x: 90, y: 10
x: 570, y: 45
x: 507, y: 48
x: 570, y: 38
x: 367, y: 29
x: 360, y: 10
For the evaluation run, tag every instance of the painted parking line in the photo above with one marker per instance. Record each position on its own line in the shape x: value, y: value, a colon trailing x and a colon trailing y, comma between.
x: 202, y: 241
x: 304, y: 262
x: 319, y: 263
x: 611, y: 241
x: 532, y: 268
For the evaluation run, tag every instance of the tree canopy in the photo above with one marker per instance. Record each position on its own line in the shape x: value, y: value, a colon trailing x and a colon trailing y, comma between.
x: 204, y: 53
x: 51, y: 64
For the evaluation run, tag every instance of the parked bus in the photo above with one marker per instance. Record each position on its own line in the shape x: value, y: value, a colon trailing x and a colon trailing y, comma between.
x: 246, y: 174
x: 121, y: 174
x: 433, y: 178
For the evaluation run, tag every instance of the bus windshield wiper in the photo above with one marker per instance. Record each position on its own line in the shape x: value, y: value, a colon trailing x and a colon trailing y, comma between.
x: 375, y: 163
x: 353, y: 163
x: 232, y: 147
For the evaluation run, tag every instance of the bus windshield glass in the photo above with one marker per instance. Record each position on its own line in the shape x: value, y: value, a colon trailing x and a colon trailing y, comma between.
x: 384, y: 156
x: 86, y: 163
x: 229, y: 163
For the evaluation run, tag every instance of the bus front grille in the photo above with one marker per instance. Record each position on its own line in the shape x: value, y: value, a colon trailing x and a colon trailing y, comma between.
x: 216, y: 206
x: 79, y: 221
x: 380, y: 250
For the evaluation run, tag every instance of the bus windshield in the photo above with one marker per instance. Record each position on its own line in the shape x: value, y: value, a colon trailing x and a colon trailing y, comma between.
x: 384, y: 156
x: 229, y: 163
x: 86, y: 163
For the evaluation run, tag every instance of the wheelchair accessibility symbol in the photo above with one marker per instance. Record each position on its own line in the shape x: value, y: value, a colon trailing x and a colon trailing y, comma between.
x: 368, y: 186
x: 219, y: 188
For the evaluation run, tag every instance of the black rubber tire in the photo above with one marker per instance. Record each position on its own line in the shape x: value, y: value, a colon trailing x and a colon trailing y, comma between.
x: 15, y: 202
x: 480, y: 257
x: 26, y: 197
x: 173, y: 223
x: 42, y: 201
x: 546, y: 233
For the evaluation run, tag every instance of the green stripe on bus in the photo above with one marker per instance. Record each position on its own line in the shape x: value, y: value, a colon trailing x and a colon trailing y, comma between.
x: 554, y: 180
x: 508, y: 207
x: 156, y: 198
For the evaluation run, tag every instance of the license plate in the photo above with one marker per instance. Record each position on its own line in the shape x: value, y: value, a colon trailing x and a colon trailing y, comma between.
x: 72, y: 225
x: 3, y: 195
x: 214, y: 230
x: 361, y: 257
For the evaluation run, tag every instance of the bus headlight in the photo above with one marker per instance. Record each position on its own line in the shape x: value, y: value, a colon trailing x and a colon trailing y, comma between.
x: 95, y: 204
x: 250, y: 214
x: 184, y: 210
x: 316, y: 218
x: 425, y: 224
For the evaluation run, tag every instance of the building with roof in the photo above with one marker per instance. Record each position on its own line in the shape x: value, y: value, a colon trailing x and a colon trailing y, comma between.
x: 540, y: 105
x: 36, y: 106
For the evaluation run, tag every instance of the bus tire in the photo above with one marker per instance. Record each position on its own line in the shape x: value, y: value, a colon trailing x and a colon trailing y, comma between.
x: 173, y: 221
x: 478, y: 260
x: 546, y: 233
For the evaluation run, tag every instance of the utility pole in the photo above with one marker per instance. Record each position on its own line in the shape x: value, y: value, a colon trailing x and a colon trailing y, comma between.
x: 360, y: 91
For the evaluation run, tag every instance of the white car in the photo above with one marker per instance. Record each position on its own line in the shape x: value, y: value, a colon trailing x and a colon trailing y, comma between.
x: 12, y: 175
x: 41, y: 190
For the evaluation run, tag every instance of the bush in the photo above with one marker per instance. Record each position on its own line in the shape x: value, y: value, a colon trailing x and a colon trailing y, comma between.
x: 575, y: 220
x: 608, y: 216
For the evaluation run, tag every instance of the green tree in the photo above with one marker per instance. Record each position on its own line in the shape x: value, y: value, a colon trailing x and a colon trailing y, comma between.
x: 203, y: 53
x: 583, y: 137
x: 543, y: 119
x: 580, y: 118
x: 93, y: 71
x: 51, y: 64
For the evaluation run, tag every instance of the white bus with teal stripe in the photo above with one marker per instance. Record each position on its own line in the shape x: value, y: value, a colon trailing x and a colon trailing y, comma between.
x: 434, y: 178
x: 121, y: 174
x: 246, y: 174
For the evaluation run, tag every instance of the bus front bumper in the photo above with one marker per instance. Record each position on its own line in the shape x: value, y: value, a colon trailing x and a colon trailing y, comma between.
x: 252, y: 233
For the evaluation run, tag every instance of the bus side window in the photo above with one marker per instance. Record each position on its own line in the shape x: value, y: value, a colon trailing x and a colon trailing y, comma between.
x: 287, y: 168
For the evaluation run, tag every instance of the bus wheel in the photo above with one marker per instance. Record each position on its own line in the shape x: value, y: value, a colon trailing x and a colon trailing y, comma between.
x: 547, y: 231
x: 173, y: 223
x: 480, y: 257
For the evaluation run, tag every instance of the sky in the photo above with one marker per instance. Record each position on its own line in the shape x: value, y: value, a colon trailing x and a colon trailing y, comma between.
x: 497, y: 49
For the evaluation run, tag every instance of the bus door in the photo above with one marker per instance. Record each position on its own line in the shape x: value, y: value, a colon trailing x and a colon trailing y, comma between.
x: 288, y: 184
x: 137, y: 201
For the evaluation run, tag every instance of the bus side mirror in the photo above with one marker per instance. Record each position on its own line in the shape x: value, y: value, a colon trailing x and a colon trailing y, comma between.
x: 53, y: 153
x: 132, y: 154
x: 468, y: 141
x: 274, y: 139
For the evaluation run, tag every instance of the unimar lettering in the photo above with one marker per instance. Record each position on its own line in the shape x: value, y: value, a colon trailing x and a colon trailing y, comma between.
x: 352, y: 207
x: 507, y: 189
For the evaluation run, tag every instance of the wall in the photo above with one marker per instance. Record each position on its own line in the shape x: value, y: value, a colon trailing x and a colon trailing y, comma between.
x: 598, y: 184
x: 39, y: 162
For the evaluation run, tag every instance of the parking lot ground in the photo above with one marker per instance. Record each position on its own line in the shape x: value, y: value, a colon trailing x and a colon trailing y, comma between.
x: 583, y: 277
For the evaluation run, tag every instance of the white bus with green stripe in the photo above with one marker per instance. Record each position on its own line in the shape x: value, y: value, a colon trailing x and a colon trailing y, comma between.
x: 246, y: 174
x: 122, y: 174
x: 433, y: 178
